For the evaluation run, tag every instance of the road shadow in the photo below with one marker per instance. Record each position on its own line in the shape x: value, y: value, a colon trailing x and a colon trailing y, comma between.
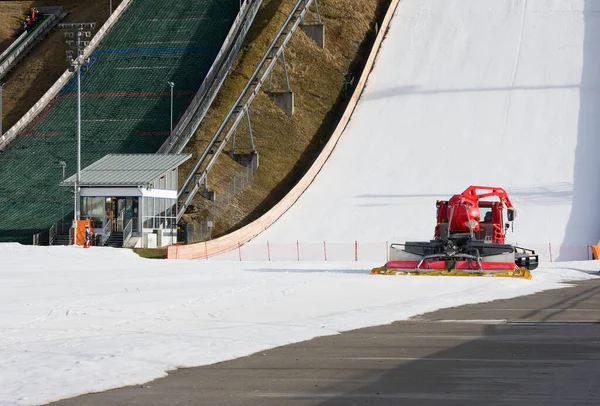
x: 537, y: 357
x: 517, y: 363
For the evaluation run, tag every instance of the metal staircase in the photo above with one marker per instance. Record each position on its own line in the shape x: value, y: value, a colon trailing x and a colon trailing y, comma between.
x: 197, y: 179
x: 115, y: 240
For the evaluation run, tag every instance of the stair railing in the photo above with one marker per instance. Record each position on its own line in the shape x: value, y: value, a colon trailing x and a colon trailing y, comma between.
x: 120, y: 220
x: 127, y: 231
x: 52, y: 233
x: 106, y: 231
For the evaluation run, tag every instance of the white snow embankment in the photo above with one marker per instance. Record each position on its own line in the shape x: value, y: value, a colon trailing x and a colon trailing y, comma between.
x: 75, y: 321
x: 468, y: 92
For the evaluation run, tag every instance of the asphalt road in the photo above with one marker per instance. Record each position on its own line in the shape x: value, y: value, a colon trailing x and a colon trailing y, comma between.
x: 542, y: 349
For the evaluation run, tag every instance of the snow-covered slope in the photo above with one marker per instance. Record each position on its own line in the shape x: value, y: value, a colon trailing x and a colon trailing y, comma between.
x: 468, y: 92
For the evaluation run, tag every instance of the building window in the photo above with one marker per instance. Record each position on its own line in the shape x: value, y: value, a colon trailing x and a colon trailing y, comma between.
x: 92, y: 208
x: 159, y: 212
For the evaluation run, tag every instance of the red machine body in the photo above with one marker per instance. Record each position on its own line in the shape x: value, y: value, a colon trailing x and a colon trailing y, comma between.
x: 469, y: 240
x: 462, y: 212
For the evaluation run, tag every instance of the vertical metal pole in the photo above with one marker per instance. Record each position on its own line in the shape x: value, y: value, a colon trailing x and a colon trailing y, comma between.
x: 74, y: 228
x: 62, y: 208
x: 233, y: 141
x: 271, y: 79
x: 318, y: 13
x: 171, y: 133
x: 250, y: 130
x: 77, y: 209
x: 287, y: 79
x: 110, y: 8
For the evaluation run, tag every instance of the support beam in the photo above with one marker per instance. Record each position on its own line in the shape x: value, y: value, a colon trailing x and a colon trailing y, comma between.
x: 316, y: 32
x: 283, y: 100
x: 207, y: 194
x: 249, y: 160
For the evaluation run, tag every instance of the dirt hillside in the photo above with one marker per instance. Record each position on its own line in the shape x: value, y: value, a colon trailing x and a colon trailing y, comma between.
x: 287, y: 146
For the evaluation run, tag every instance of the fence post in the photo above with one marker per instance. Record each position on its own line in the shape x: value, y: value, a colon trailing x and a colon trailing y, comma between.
x: 268, y: 251
x: 298, y: 249
x: 240, y: 250
x: 355, y: 250
x: 588, y: 252
x: 550, y: 250
x: 325, y: 250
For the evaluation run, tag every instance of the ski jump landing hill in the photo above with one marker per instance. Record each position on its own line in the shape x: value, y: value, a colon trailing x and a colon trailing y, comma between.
x: 460, y: 92
x: 125, y: 105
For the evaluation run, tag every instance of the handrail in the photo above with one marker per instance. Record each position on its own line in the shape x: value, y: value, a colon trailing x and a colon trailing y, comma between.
x: 11, y: 134
x: 194, y: 114
x: 52, y: 234
x: 273, y: 52
x: 106, y: 231
x: 13, y: 45
x: 121, y: 220
x: 127, y: 231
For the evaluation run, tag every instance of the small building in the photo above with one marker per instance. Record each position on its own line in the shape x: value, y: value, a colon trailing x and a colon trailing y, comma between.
x: 131, y: 198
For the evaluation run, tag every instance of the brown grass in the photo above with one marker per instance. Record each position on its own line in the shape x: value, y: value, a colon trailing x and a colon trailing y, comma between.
x: 33, y: 76
x: 151, y: 253
x: 287, y: 145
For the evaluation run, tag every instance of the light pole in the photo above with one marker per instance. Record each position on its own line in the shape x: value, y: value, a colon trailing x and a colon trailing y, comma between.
x: 63, y: 164
x: 171, y: 133
x: 77, y: 64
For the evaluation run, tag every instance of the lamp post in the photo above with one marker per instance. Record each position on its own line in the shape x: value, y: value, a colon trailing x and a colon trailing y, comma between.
x: 171, y: 133
x: 77, y: 64
x: 63, y: 164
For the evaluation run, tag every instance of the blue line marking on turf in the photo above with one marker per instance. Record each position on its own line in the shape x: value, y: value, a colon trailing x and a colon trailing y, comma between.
x: 154, y: 50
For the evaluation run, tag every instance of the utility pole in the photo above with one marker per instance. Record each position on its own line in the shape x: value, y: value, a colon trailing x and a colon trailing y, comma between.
x: 171, y: 133
x: 77, y: 64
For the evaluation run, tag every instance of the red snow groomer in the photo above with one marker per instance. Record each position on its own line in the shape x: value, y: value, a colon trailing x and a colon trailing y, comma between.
x: 469, y: 241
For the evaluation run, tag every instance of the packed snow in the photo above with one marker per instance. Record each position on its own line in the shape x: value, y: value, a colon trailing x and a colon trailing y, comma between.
x: 75, y: 321
x: 468, y: 92
x: 490, y: 92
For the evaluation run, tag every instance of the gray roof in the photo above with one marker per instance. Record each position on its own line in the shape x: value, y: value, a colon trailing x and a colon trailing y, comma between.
x: 127, y: 169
